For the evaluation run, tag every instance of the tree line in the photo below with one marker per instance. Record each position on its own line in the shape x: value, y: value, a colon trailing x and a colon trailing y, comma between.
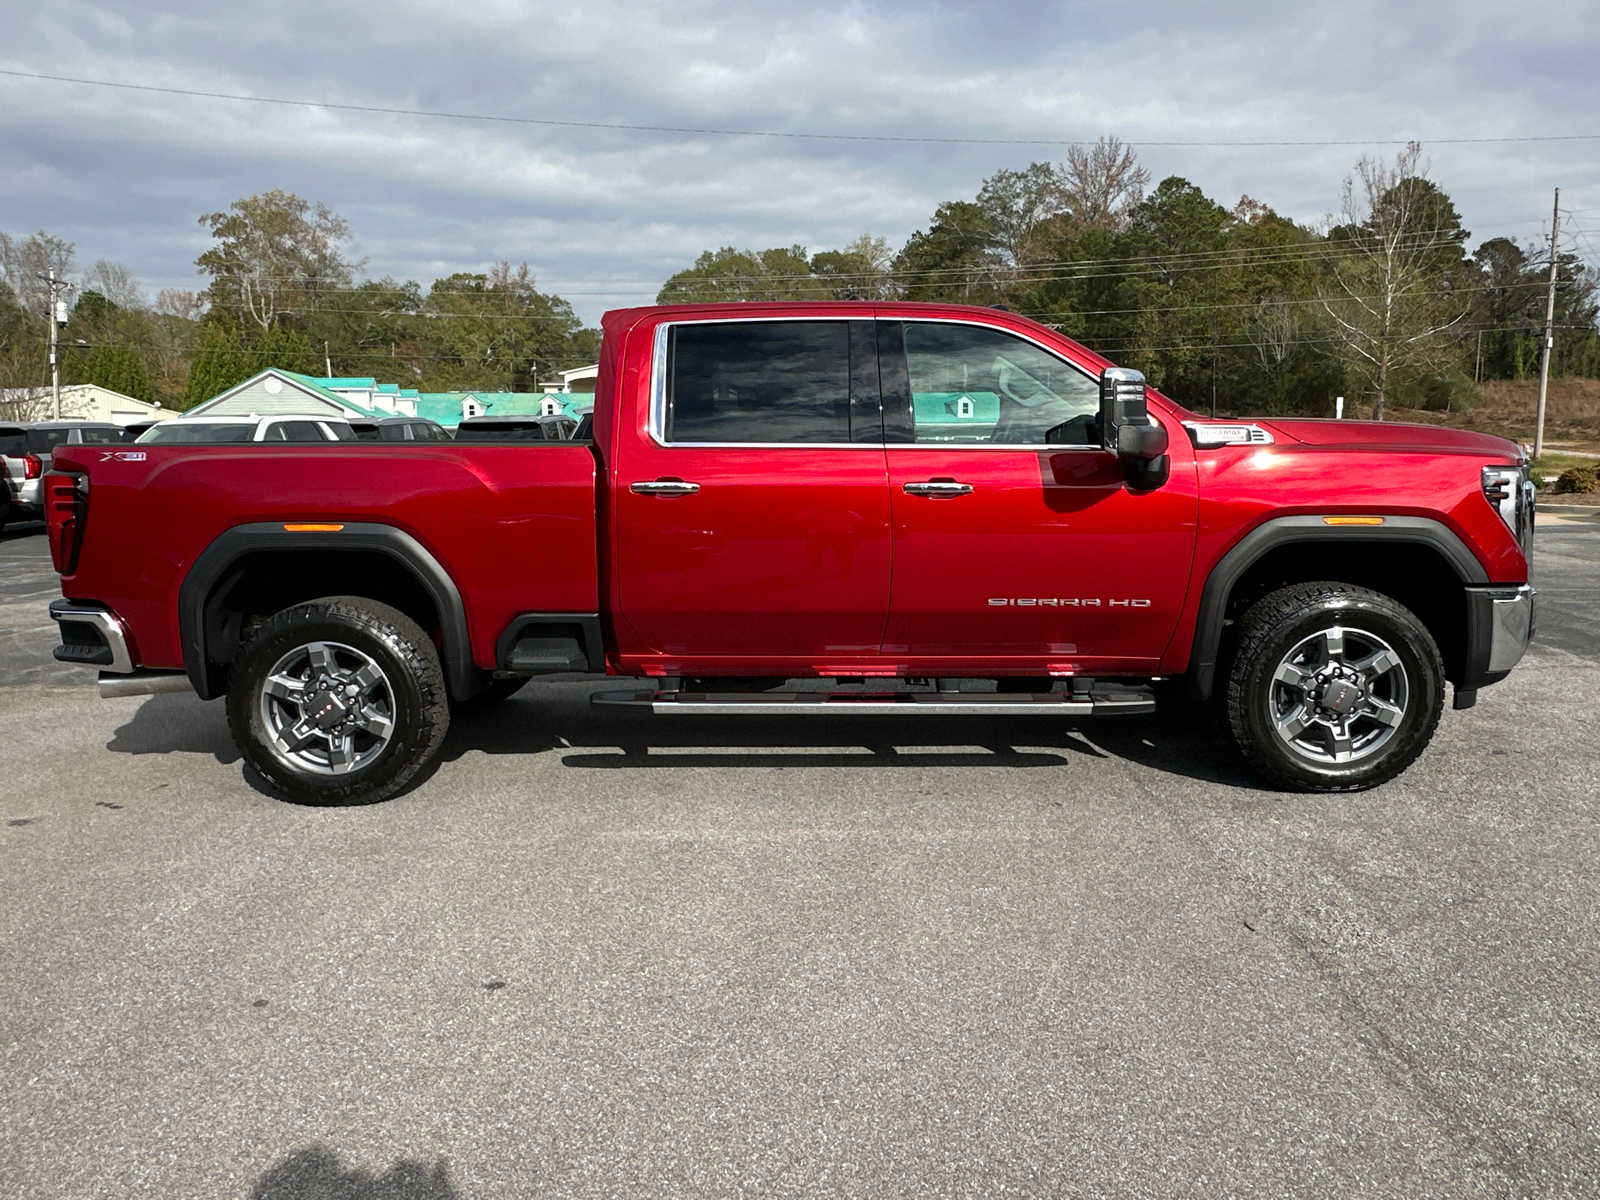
x: 1233, y: 308
x: 282, y: 292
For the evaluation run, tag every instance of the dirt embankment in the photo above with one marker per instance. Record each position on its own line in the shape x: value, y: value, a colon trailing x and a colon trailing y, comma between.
x: 1507, y: 408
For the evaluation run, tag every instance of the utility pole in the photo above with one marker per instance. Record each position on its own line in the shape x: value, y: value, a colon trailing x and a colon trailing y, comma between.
x: 57, y: 309
x: 1549, y: 330
x: 327, y: 360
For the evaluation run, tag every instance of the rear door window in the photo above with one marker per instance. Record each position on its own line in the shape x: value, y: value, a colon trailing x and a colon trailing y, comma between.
x: 758, y: 382
x: 13, y: 442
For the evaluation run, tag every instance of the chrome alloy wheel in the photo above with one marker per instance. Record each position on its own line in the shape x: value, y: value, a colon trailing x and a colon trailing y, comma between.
x: 1339, y: 695
x: 327, y: 708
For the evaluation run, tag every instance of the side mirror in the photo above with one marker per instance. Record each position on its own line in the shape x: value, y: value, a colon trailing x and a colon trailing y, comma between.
x: 1127, y: 430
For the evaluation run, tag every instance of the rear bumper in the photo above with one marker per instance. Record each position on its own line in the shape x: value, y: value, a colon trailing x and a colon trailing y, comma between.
x: 91, y: 637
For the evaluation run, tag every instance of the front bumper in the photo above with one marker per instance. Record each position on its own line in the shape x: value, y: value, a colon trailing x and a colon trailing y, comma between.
x: 1500, y: 624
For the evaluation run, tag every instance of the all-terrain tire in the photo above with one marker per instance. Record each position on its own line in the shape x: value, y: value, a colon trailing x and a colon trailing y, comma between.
x: 1333, y: 688
x: 292, y: 683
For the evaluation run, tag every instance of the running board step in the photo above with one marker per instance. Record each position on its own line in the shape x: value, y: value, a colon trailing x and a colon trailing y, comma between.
x: 1130, y: 702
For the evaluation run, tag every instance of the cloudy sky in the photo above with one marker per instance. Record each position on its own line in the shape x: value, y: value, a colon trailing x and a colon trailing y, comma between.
x: 604, y: 216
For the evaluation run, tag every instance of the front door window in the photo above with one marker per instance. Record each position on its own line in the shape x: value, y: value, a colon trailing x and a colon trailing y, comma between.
x: 971, y: 385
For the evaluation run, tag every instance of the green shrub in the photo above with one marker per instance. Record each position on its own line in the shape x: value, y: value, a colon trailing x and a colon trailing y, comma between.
x: 1579, y: 480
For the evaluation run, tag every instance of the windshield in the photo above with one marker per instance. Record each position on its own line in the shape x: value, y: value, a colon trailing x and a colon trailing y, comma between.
x: 197, y: 431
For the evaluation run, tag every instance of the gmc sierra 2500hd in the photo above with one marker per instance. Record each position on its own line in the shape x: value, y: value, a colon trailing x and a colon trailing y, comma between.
x: 771, y: 492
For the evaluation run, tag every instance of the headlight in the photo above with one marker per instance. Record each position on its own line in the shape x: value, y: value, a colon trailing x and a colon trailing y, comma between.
x: 1511, y: 492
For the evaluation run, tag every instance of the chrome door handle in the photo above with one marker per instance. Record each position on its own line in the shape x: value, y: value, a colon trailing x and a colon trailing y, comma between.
x: 664, y: 487
x: 938, y: 489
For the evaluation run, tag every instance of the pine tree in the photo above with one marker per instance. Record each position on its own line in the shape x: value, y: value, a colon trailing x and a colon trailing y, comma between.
x: 217, y: 366
x: 116, y: 366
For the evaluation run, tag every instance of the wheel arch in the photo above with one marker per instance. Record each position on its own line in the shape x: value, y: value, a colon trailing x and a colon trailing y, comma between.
x: 1417, y: 561
x: 264, y: 564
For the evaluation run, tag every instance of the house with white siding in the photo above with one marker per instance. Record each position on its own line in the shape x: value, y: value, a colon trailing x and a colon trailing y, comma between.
x: 282, y: 393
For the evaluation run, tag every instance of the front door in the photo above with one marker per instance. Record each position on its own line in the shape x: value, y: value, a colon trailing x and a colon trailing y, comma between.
x: 752, y: 514
x: 1030, y: 553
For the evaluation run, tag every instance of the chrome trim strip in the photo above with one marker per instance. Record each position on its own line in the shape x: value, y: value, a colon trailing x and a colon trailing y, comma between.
x: 1512, y: 629
x: 656, y: 419
x: 840, y: 704
x: 109, y: 627
x: 144, y: 683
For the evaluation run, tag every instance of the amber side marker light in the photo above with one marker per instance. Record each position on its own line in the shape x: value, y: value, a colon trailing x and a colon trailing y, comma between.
x: 1352, y: 520
x: 312, y: 528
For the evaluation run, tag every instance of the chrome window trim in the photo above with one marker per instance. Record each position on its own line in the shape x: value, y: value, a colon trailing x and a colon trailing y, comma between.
x: 656, y: 417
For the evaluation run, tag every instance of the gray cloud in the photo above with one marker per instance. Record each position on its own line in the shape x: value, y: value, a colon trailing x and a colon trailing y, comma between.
x: 604, y: 216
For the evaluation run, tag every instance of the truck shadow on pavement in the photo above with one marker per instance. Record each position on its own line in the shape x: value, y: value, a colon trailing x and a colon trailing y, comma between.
x: 1181, y: 738
x: 318, y: 1173
x: 176, y: 724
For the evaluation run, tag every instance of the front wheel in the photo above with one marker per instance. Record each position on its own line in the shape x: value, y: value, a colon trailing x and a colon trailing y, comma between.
x: 338, y: 701
x: 1334, y: 688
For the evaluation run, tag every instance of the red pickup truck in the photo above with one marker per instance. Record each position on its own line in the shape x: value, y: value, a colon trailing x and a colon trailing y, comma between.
x: 950, y: 511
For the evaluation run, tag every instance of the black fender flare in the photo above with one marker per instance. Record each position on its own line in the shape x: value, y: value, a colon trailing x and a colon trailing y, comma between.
x: 462, y: 676
x: 1283, y: 531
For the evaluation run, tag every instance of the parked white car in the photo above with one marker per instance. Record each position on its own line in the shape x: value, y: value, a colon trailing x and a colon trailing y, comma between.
x: 211, y: 430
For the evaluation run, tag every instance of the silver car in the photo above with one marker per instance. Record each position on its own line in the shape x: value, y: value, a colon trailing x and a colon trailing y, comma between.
x: 27, y: 450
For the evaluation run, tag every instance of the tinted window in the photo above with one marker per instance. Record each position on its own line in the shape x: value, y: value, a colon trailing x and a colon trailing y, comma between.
x: 365, y: 432
x: 768, y: 381
x: 293, y: 431
x: 100, y: 437
x: 970, y: 384
x: 341, y: 431
x: 507, y: 431
x: 45, y: 441
x: 197, y: 431
x: 13, y: 442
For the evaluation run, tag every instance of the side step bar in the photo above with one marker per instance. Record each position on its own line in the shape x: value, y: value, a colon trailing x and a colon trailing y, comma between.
x: 1130, y: 702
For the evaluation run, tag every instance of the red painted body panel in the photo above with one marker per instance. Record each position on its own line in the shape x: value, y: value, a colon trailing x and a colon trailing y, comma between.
x: 514, y: 526
x: 793, y: 560
x: 1092, y: 575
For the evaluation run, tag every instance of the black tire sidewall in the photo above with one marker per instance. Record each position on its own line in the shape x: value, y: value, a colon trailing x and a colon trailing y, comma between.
x: 416, y: 699
x: 1251, y: 692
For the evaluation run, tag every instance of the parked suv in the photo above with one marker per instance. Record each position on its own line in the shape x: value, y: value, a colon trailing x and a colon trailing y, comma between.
x: 517, y: 429
x: 213, y: 430
x: 27, y: 449
x: 399, y: 429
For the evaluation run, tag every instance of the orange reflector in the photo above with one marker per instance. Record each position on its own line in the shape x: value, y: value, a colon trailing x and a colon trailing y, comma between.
x: 1352, y: 520
x: 312, y: 528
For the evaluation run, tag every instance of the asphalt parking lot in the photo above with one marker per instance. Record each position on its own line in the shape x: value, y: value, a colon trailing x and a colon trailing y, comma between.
x: 597, y: 956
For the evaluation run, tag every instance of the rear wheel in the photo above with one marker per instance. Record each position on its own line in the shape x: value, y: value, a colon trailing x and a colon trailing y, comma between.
x: 1334, y: 687
x: 338, y: 701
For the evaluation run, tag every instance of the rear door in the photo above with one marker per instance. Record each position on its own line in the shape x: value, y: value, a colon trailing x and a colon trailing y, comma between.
x: 1009, y: 546
x: 752, y: 507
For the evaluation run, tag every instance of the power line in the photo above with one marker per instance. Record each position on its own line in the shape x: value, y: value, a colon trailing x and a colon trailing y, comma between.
x: 765, y: 133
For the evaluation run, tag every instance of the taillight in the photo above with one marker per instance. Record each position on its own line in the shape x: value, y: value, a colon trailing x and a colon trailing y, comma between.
x: 32, y: 466
x: 66, y: 512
